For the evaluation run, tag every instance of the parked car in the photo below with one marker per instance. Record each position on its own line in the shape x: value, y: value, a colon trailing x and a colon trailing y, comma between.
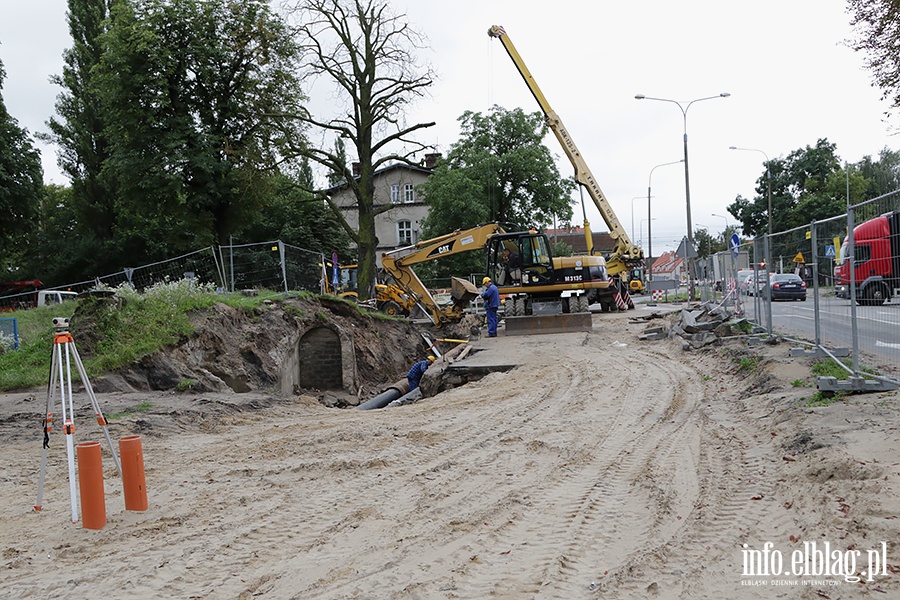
x: 753, y: 287
x: 787, y: 286
x: 744, y: 282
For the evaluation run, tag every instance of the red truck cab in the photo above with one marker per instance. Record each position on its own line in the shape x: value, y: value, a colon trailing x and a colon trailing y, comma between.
x: 876, y: 260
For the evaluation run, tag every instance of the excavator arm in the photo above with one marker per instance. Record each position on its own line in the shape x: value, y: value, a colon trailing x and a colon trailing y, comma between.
x: 625, y: 255
x: 398, y: 263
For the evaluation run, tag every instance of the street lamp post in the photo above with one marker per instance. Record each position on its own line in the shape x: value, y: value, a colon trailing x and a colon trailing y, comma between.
x: 648, y: 230
x: 687, y: 184
x: 649, y: 237
x: 724, y: 233
x: 632, y: 215
x: 768, y: 180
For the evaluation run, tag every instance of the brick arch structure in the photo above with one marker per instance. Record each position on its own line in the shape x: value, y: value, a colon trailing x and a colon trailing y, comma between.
x: 322, y: 358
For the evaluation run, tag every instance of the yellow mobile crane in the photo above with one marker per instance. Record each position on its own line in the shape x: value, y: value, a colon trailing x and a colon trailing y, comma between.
x: 625, y: 256
x: 534, y: 282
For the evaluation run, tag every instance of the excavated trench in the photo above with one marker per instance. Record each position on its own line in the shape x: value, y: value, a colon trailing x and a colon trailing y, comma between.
x: 321, y: 347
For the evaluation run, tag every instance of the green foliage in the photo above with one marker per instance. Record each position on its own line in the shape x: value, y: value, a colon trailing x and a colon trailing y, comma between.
x: 30, y: 364
x: 799, y: 383
x: 186, y: 385
x: 562, y: 249
x: 79, y: 132
x: 829, y: 368
x: 811, y: 183
x: 500, y: 171
x: 876, y: 24
x: 743, y: 326
x: 141, y: 407
x: 746, y: 364
x: 21, y: 179
x: 137, y: 325
x: 822, y: 398
x: 191, y: 91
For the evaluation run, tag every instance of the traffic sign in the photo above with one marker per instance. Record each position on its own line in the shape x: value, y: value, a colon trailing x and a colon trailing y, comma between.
x: 829, y: 251
x: 799, y: 258
x: 735, y: 244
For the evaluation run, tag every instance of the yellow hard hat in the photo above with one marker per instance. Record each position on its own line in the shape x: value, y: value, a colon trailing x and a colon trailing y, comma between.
x: 431, y: 358
x: 485, y: 280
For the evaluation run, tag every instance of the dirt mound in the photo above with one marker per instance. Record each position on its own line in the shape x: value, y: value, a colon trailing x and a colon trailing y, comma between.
x: 259, y: 350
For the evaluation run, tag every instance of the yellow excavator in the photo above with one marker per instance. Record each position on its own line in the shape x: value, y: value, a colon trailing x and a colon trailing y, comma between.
x: 625, y: 256
x: 534, y: 281
x: 389, y: 299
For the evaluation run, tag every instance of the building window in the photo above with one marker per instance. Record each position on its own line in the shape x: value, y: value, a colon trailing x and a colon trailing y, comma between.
x: 409, y: 193
x: 395, y: 194
x: 404, y: 233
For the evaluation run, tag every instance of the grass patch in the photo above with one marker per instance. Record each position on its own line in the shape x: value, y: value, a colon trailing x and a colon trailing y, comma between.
x: 186, y: 385
x: 743, y: 326
x: 746, y: 364
x: 822, y: 398
x: 134, y: 326
x: 831, y: 368
x: 799, y: 383
x: 143, y: 407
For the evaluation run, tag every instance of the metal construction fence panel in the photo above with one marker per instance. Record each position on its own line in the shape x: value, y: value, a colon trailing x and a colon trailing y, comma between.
x: 9, y: 334
x: 858, y: 317
x: 720, y: 284
x: 272, y: 266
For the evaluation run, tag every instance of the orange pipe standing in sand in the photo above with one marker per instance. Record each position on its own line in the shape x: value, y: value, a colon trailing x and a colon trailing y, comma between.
x: 133, y: 480
x: 90, y: 480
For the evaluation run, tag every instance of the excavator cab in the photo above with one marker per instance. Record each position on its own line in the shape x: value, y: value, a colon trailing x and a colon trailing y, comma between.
x: 519, y: 259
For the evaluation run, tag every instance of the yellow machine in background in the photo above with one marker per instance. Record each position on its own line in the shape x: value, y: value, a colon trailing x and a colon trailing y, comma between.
x: 539, y: 283
x: 625, y: 256
x: 636, y: 281
x: 389, y: 299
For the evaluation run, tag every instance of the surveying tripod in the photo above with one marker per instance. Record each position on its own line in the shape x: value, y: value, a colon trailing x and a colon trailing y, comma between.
x: 61, y: 379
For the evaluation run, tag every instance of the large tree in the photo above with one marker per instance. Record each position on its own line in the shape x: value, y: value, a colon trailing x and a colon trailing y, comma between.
x: 877, y: 28
x: 369, y: 54
x: 79, y: 130
x: 192, y: 92
x: 804, y: 187
x: 21, y: 180
x: 499, y: 170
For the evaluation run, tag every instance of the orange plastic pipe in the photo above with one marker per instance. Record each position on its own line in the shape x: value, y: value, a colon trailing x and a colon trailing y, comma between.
x: 90, y: 480
x: 133, y: 480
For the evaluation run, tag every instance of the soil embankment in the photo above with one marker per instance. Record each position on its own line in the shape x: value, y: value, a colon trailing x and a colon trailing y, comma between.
x: 601, y: 467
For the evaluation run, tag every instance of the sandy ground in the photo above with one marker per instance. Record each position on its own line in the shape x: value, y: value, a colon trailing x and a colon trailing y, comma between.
x: 603, y: 467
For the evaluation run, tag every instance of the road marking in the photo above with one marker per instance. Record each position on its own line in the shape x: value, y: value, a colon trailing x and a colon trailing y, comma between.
x: 886, y: 344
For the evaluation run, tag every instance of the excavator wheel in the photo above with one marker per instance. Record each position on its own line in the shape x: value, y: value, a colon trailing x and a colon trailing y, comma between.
x: 391, y: 308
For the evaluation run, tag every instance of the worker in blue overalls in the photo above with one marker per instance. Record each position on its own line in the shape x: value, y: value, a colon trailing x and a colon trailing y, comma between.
x: 491, y: 297
x: 415, y: 373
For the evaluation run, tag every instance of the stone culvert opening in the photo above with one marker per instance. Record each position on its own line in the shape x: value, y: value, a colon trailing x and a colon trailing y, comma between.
x: 321, y: 364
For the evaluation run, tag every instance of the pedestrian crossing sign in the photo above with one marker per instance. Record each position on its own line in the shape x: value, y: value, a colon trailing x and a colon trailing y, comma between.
x: 799, y: 258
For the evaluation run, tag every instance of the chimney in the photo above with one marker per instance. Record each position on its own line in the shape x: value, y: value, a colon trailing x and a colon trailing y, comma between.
x: 357, y: 169
x: 431, y: 160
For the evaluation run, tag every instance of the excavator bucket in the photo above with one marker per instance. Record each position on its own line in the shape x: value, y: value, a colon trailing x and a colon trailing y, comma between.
x: 462, y: 292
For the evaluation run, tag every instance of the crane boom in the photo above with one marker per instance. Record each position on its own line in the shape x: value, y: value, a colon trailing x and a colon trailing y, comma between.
x: 625, y: 255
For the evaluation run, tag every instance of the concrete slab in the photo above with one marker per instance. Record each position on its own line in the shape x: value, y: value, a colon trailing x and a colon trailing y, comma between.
x: 505, y: 352
x: 534, y: 324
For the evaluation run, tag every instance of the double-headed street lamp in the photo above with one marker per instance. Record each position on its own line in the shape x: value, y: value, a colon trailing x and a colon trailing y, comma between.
x: 768, y: 180
x: 687, y: 184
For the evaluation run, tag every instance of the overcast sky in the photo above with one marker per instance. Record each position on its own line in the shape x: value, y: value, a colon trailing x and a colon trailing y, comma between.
x: 791, y: 78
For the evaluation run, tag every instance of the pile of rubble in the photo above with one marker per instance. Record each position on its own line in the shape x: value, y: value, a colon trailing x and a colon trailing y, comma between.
x: 701, y: 327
